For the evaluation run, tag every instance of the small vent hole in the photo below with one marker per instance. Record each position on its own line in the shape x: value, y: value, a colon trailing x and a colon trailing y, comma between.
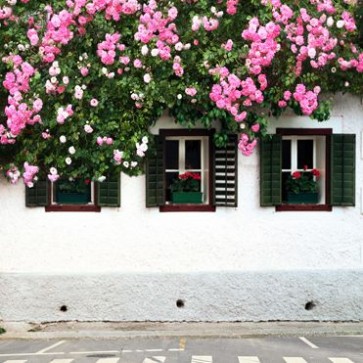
x: 63, y: 308
x: 310, y: 305
x: 180, y: 303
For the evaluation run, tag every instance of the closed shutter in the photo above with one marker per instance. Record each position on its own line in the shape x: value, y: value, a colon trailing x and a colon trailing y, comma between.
x: 343, y: 170
x: 38, y: 195
x: 109, y: 192
x: 225, y: 174
x: 155, y: 195
x: 270, y: 171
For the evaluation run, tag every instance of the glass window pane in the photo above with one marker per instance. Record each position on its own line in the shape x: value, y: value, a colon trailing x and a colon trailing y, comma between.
x: 172, y: 154
x: 192, y: 154
x: 305, y: 154
x: 169, y: 179
x: 285, y: 177
x: 73, y: 192
x: 286, y: 154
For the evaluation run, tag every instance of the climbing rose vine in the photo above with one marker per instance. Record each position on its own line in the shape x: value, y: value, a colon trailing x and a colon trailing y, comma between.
x: 82, y: 81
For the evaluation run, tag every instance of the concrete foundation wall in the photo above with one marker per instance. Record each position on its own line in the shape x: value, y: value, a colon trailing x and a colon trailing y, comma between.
x: 222, y: 296
x: 133, y: 263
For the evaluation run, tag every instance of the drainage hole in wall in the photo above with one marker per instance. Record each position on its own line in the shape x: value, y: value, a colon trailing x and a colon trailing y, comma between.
x: 63, y: 308
x: 310, y: 305
x: 180, y: 303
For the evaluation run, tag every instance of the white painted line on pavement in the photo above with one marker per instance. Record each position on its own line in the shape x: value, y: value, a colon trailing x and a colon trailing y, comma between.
x: 309, y: 343
x: 340, y: 360
x: 15, y: 361
x: 248, y: 360
x: 51, y: 347
x: 176, y: 350
x: 202, y: 359
x: 62, y: 361
x: 154, y: 360
x: 294, y: 360
x: 108, y: 360
x: 30, y: 354
x: 98, y: 352
x: 154, y: 350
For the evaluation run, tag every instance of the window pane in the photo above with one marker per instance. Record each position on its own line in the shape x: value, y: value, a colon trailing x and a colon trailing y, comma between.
x: 286, y: 154
x: 169, y: 179
x: 172, y: 154
x: 73, y: 192
x: 192, y: 154
x: 285, y: 177
x: 305, y: 154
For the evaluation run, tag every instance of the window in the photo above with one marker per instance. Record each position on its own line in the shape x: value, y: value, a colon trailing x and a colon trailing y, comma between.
x: 191, y: 151
x: 72, y: 192
x: 303, y: 150
x: 187, y: 155
x: 304, y: 154
x: 76, y: 196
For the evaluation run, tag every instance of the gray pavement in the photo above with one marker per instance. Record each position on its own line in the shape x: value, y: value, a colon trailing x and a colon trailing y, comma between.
x: 60, y: 330
x: 263, y: 349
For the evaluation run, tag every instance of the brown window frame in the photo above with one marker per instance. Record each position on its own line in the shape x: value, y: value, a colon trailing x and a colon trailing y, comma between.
x: 326, y: 207
x: 195, y: 207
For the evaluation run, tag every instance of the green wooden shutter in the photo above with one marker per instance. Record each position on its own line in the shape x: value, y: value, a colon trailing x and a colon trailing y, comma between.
x: 109, y: 192
x: 343, y: 170
x: 270, y: 171
x: 225, y: 174
x: 155, y: 194
x: 38, y: 195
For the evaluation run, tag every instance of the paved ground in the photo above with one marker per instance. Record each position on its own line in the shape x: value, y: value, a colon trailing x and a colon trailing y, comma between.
x: 280, y: 342
x: 271, y: 349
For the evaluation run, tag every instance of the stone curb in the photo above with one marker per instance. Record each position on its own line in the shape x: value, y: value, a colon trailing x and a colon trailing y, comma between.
x: 108, y: 330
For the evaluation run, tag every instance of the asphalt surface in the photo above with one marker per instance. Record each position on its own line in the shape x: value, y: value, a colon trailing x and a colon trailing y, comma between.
x: 266, y: 349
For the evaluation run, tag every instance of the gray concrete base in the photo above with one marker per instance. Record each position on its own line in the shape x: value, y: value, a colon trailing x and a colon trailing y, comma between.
x: 208, y: 297
x: 113, y: 330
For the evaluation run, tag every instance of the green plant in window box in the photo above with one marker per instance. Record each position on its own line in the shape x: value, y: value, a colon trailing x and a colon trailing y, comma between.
x: 186, y: 189
x: 73, y: 191
x: 302, y: 187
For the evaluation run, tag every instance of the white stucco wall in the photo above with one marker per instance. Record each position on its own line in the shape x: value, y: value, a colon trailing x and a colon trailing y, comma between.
x: 132, y: 263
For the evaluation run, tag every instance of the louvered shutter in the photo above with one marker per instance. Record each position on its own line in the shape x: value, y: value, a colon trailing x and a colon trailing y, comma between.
x: 225, y: 174
x: 343, y: 170
x: 270, y: 171
x: 37, y: 196
x: 109, y: 192
x: 155, y: 194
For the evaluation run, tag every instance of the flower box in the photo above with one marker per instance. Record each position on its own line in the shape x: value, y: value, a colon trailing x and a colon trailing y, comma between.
x: 303, y: 198
x: 186, y: 197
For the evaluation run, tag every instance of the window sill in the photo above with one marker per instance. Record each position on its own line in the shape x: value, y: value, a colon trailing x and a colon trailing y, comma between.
x: 72, y: 208
x: 187, y: 208
x: 304, y: 208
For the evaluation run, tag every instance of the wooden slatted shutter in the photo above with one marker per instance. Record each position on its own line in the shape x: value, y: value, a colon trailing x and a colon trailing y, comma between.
x: 155, y: 194
x: 343, y: 170
x: 225, y: 174
x: 37, y: 196
x: 270, y: 171
x: 109, y: 192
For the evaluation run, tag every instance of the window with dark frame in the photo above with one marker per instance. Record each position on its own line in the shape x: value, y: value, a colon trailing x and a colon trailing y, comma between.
x: 304, y: 150
x: 184, y: 151
x: 84, y: 196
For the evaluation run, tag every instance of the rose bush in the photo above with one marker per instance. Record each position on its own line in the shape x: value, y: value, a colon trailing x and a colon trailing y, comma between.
x: 82, y: 81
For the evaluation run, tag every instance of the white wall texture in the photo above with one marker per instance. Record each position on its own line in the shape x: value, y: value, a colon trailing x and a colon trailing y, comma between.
x: 133, y: 263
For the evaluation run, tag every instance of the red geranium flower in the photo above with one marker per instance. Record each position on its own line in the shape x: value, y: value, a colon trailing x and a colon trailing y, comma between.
x: 296, y: 175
